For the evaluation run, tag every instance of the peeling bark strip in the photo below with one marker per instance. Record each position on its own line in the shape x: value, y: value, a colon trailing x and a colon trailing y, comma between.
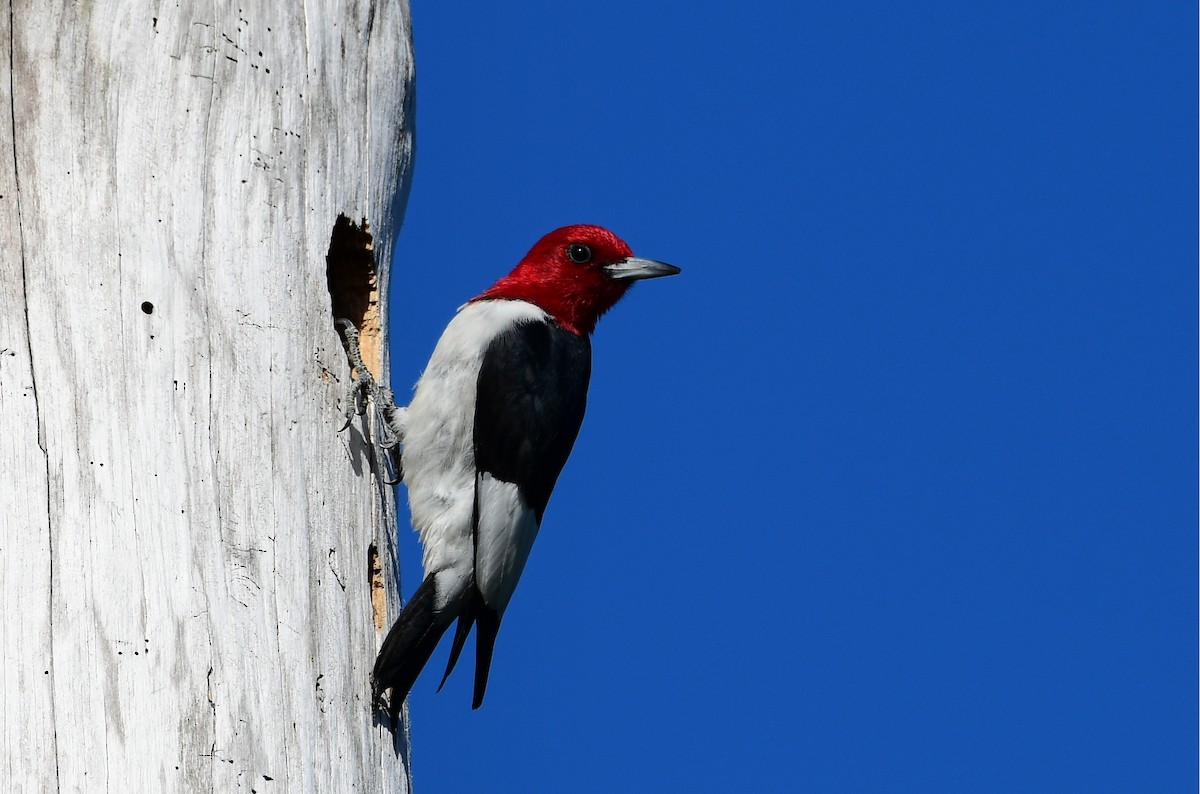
x: 354, y: 287
x: 176, y: 506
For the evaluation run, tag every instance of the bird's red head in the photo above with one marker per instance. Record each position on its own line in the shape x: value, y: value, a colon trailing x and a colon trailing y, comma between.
x: 576, y: 274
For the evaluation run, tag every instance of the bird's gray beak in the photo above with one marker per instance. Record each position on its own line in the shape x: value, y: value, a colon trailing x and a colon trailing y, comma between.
x: 632, y: 269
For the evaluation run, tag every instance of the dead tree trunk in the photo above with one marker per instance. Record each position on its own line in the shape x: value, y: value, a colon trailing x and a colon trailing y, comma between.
x: 191, y: 594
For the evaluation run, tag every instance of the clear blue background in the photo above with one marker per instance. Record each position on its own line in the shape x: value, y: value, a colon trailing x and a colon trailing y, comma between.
x: 894, y: 488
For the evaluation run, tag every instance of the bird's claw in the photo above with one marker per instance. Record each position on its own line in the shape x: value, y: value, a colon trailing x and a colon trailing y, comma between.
x: 365, y: 390
x: 360, y: 397
x: 356, y: 400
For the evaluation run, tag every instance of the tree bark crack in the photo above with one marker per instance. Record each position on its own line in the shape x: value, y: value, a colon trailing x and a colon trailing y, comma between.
x: 37, y: 410
x: 213, y: 451
x: 212, y: 753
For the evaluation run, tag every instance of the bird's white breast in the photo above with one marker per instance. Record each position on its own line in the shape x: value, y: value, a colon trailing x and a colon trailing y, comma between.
x: 439, y: 453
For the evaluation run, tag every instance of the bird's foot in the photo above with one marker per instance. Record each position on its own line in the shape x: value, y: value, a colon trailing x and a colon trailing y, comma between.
x: 365, y: 391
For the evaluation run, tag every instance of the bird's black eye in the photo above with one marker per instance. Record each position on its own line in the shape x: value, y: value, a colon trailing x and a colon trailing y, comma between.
x: 579, y: 253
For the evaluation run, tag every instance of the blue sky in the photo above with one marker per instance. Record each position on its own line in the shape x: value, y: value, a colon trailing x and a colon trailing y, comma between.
x: 894, y: 488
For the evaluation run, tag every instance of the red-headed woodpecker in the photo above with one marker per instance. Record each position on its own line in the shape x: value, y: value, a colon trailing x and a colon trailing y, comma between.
x: 492, y: 422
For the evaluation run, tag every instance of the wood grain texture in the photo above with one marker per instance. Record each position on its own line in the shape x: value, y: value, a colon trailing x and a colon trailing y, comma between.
x: 183, y: 532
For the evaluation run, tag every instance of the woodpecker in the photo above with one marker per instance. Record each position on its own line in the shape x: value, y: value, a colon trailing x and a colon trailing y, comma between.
x: 491, y: 424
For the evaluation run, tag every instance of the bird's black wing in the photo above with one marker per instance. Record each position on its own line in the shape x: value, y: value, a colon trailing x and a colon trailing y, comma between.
x: 531, y: 396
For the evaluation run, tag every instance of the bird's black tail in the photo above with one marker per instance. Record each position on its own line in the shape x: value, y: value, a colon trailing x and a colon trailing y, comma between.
x: 487, y: 624
x: 408, y: 647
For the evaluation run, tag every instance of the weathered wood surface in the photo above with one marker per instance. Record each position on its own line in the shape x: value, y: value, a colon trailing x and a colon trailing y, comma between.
x: 183, y: 532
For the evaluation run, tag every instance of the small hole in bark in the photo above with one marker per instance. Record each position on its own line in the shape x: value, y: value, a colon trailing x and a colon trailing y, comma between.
x: 378, y: 597
x: 148, y: 307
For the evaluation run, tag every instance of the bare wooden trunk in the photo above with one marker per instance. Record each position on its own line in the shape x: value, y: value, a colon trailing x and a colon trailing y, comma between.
x: 186, y: 538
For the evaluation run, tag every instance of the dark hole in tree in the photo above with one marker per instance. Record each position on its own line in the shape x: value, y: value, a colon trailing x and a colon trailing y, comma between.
x: 350, y: 270
x: 354, y: 285
x: 148, y: 307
